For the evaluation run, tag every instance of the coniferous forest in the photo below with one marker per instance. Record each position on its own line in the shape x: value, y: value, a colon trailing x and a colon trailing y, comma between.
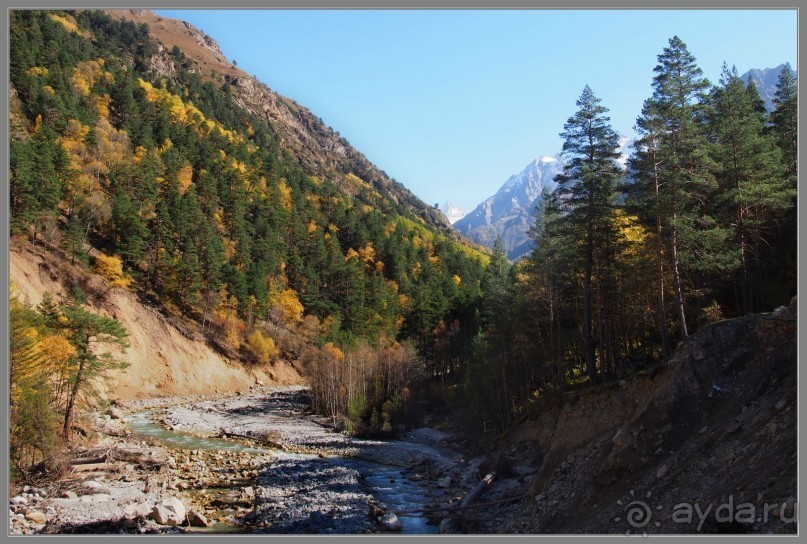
x: 169, y: 188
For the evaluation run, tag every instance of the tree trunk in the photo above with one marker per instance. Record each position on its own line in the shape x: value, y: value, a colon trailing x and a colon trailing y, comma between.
x: 662, y: 306
x: 588, y: 343
x: 679, y: 295
x: 71, y: 401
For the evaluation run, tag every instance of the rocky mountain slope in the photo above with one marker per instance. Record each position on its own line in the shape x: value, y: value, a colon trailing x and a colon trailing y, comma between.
x: 765, y: 79
x: 319, y: 149
x: 713, y: 428
x: 509, y: 212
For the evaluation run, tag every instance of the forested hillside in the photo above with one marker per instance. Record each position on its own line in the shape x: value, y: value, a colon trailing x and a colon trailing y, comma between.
x: 130, y: 152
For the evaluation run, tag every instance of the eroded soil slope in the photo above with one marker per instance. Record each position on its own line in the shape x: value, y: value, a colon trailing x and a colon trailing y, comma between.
x: 715, y: 425
x: 166, y: 355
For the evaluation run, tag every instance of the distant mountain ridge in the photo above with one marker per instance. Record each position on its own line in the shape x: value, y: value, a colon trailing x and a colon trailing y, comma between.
x: 509, y: 212
x: 766, y: 79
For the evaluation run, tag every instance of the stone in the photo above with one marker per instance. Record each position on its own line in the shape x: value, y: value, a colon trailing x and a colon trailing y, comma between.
x: 36, y: 516
x: 390, y: 522
x: 448, y: 527
x: 19, y: 500
x: 622, y: 438
x: 92, y: 485
x: 136, y: 510
x: 249, y: 491
x: 172, y: 462
x: 169, y: 511
x: 733, y: 428
x: 444, y: 482
x: 703, y: 429
x: 662, y: 471
x: 195, y: 519
x: 781, y: 405
x: 115, y: 413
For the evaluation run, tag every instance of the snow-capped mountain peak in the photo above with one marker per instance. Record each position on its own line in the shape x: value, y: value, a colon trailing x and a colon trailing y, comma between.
x: 452, y: 212
x: 509, y: 212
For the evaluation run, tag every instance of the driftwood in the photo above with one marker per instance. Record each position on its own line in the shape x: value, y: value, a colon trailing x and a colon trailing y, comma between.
x: 90, y: 460
x: 483, y: 485
x: 480, y: 488
x: 268, y: 441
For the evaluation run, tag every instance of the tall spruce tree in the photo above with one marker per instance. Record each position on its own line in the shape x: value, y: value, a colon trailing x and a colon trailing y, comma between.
x: 678, y: 148
x: 784, y: 118
x: 586, y: 190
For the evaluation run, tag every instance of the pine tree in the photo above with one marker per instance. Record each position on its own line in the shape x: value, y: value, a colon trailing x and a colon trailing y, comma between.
x: 87, y: 332
x: 753, y: 191
x: 586, y: 192
x: 784, y: 118
x: 676, y: 115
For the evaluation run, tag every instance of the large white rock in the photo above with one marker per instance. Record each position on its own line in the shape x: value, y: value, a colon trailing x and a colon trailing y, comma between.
x: 391, y: 522
x: 169, y: 511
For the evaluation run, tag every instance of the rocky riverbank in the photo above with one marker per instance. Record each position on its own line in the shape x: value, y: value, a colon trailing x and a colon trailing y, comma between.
x: 257, y: 462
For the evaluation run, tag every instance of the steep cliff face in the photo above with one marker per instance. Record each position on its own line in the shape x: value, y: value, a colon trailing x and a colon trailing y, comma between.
x: 716, y: 423
x: 319, y: 149
x: 166, y: 356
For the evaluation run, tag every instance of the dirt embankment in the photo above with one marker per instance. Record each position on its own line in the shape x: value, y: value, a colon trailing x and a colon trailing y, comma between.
x: 713, y: 431
x: 166, y: 357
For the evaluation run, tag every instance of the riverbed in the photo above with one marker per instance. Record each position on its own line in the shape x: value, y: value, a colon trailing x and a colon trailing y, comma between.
x: 311, y: 479
x: 258, y: 462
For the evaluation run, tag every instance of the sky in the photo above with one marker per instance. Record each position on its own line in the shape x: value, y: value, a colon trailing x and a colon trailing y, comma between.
x: 452, y: 103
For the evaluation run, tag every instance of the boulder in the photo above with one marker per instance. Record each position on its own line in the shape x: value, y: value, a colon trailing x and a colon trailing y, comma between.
x: 169, y: 511
x: 195, y: 519
x: 115, y: 413
x: 19, y: 500
x: 136, y: 510
x: 390, y: 522
x: 36, y: 516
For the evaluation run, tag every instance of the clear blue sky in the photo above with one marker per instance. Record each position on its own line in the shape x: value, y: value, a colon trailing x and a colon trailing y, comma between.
x: 451, y: 103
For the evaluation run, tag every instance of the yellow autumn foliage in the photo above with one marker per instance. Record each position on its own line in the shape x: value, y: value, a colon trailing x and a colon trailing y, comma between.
x: 101, y: 103
x: 333, y: 353
x: 263, y: 348
x: 67, y: 22
x: 184, y: 178
x: 38, y: 71
x: 285, y: 195
x: 111, y: 268
x: 289, y: 304
x: 88, y: 73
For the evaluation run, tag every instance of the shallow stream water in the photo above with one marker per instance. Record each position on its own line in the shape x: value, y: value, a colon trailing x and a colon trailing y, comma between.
x: 386, y: 483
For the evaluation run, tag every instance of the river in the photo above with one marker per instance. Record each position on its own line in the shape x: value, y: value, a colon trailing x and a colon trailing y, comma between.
x: 292, y: 488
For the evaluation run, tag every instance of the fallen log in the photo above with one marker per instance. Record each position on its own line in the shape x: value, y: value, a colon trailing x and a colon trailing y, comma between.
x: 90, y: 460
x: 483, y: 485
x: 269, y: 442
